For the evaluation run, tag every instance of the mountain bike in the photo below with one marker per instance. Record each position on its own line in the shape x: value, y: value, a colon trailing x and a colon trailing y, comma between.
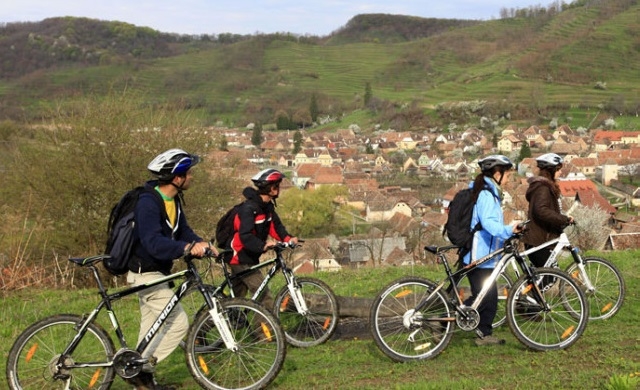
x: 307, y: 308
x: 600, y: 280
x: 235, y: 343
x: 413, y: 318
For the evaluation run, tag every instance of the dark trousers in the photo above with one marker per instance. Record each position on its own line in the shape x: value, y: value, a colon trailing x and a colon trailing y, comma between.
x: 489, y: 306
x: 539, y: 257
x: 250, y: 282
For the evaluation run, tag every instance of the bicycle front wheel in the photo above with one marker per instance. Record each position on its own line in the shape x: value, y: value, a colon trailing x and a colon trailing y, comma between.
x: 260, y: 352
x: 35, y: 360
x: 554, y: 322
x: 608, y: 293
x: 404, y: 333
x: 320, y: 321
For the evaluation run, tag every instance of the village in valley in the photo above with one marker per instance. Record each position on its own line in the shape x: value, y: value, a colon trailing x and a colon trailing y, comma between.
x: 600, y: 167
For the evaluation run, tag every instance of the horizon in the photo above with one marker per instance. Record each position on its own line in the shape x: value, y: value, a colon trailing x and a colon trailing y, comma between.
x: 198, y: 17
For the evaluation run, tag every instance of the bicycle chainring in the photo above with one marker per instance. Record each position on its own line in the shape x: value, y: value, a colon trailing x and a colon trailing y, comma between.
x: 469, y: 321
x: 127, y: 364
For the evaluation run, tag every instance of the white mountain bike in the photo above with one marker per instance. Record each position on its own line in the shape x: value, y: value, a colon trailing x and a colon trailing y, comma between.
x: 601, y: 282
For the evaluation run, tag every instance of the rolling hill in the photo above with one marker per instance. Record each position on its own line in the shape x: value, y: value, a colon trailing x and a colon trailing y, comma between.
x: 536, y: 64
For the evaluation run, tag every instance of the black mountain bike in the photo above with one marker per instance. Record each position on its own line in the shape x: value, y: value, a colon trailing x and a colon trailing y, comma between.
x: 413, y: 318
x: 233, y: 344
x: 307, y: 308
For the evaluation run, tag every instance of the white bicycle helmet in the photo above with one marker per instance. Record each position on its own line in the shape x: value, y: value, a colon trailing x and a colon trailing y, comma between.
x: 495, y: 160
x: 549, y: 161
x: 173, y: 162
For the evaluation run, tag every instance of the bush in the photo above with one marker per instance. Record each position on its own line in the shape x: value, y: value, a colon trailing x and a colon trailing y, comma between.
x: 591, y: 230
x: 61, y: 183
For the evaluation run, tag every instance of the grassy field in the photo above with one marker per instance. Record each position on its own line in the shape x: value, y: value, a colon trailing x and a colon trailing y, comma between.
x: 606, y: 357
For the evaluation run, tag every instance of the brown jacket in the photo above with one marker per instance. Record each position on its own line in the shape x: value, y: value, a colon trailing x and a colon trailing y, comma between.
x: 547, y: 222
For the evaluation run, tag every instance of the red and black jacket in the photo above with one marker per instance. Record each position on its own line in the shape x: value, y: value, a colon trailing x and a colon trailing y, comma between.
x: 255, y: 222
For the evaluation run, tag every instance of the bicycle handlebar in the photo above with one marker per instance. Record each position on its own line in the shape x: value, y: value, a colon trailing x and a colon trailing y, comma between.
x: 285, y: 245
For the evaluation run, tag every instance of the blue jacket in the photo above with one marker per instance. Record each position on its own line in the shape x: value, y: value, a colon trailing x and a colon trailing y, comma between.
x: 157, y: 244
x: 488, y: 212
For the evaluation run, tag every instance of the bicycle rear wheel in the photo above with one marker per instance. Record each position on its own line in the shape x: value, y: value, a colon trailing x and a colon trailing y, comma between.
x: 401, y: 332
x: 608, y: 294
x: 33, y: 358
x: 504, y: 285
x: 560, y: 324
x: 316, y: 326
x: 256, y: 362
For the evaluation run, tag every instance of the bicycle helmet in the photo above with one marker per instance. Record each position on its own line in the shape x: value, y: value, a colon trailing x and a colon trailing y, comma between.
x: 495, y: 160
x: 267, y: 177
x: 549, y: 161
x: 173, y: 162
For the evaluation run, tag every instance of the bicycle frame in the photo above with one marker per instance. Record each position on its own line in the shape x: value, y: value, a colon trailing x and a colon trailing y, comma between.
x: 191, y: 278
x: 508, y: 253
x: 277, y: 264
x: 561, y: 243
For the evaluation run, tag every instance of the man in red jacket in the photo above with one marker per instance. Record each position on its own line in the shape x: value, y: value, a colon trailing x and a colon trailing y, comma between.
x: 255, y: 222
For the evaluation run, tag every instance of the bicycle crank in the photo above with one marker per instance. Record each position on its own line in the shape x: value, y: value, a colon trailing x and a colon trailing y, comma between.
x: 468, y: 318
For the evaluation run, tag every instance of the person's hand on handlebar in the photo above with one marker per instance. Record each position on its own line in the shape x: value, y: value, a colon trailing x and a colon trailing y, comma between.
x: 200, y: 248
x: 520, y: 227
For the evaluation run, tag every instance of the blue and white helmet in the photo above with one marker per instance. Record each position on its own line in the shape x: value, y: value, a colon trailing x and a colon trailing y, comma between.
x: 173, y: 162
x: 549, y: 161
x: 495, y: 160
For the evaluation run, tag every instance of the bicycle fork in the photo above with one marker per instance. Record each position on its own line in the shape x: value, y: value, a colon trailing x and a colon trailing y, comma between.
x: 223, y: 326
x: 581, y: 276
x: 296, y: 294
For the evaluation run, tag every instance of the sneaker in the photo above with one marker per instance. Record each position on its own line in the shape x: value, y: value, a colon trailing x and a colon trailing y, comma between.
x: 146, y: 381
x: 489, y: 340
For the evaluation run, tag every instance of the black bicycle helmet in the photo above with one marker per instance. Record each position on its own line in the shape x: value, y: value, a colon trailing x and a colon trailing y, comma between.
x: 267, y: 177
x: 495, y: 160
x: 173, y: 162
x: 550, y: 161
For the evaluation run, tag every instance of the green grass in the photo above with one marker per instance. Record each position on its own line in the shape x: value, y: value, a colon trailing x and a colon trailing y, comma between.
x: 606, y: 357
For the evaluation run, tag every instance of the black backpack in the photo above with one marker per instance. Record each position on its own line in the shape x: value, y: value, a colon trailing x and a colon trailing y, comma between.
x: 458, y: 227
x: 120, y: 228
x: 224, y: 228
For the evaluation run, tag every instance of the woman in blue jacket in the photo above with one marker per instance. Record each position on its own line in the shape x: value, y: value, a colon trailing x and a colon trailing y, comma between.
x: 490, y: 237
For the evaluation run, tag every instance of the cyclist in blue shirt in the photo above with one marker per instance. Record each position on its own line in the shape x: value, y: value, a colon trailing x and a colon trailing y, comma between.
x: 162, y: 235
x: 490, y: 237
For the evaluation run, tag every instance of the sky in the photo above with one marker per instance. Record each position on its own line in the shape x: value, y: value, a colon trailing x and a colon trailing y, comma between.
x: 301, y: 17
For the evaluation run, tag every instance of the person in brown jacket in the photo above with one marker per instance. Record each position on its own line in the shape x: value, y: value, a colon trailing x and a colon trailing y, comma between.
x: 546, y: 220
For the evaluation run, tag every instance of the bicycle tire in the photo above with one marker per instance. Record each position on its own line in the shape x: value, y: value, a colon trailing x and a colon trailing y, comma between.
x: 404, y: 335
x: 32, y: 357
x: 557, y: 328
x: 261, y: 348
x: 609, y: 287
x: 504, y: 284
x: 316, y: 326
